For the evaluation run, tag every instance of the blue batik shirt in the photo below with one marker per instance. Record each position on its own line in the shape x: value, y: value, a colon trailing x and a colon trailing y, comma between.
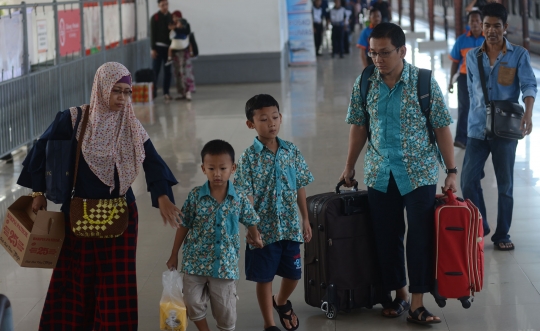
x: 511, y: 74
x: 399, y: 138
x: 273, y: 181
x: 212, y: 245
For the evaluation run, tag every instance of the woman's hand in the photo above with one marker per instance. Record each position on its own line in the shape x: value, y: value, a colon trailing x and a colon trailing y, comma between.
x: 39, y: 203
x: 169, y: 212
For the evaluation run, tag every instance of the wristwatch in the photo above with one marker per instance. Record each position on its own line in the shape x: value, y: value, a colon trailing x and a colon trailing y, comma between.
x: 36, y: 194
x: 451, y: 171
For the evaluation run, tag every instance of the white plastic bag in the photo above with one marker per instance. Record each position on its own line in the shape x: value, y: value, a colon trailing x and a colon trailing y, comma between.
x: 172, y: 310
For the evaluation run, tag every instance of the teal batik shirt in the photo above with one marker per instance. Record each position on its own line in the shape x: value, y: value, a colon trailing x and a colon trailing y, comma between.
x: 273, y: 181
x: 399, y: 137
x: 212, y: 245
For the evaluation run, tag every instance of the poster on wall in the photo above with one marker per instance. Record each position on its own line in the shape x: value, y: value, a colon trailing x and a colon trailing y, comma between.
x: 69, y: 31
x: 11, y: 46
x: 41, y: 26
x: 301, y: 42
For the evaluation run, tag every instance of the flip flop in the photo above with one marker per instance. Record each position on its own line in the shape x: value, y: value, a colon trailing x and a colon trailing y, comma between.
x: 498, y: 246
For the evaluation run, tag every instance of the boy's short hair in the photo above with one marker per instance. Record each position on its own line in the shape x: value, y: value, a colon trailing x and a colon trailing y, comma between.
x: 390, y: 31
x: 494, y: 9
x: 373, y: 11
x: 159, y: 1
x: 474, y: 12
x: 258, y: 102
x: 217, y: 147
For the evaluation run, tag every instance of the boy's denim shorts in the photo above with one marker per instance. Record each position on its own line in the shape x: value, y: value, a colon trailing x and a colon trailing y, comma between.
x: 281, y: 258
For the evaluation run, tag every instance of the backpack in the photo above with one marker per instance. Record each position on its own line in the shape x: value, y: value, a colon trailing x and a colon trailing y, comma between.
x: 424, y: 96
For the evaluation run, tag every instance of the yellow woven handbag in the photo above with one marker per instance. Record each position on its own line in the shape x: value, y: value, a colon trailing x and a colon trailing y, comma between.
x: 96, y: 218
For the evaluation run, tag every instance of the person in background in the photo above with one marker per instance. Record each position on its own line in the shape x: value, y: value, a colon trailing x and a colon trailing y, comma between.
x: 319, y: 14
x: 337, y: 17
x: 509, y: 75
x: 384, y: 8
x: 160, y: 25
x: 363, y: 41
x: 349, y: 26
x: 463, y: 45
x: 180, y: 55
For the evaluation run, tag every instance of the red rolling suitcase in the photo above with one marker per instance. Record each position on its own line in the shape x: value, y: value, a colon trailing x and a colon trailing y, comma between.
x: 459, y: 250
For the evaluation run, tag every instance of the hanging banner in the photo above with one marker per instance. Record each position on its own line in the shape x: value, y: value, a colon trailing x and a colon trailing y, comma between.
x: 69, y: 31
x: 301, y: 42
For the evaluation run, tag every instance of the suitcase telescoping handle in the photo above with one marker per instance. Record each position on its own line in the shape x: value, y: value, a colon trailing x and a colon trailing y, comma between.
x: 341, y: 183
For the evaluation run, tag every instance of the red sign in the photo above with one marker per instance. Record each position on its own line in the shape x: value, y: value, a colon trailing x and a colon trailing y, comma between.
x: 69, y: 31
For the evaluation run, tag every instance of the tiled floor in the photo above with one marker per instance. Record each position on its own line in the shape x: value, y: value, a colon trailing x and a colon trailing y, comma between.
x: 314, y: 102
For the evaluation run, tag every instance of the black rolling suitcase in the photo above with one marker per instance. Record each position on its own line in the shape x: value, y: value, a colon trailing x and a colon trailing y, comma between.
x: 340, y: 266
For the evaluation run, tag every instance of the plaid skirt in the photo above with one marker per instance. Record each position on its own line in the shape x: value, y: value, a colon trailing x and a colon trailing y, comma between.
x: 94, y: 284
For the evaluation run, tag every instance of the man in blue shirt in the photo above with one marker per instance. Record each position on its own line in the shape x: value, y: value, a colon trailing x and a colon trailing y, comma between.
x: 463, y: 45
x: 363, y: 42
x: 508, y: 72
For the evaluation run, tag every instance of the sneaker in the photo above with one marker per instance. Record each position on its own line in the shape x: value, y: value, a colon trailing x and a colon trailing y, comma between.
x: 459, y: 145
x: 188, y: 96
x: 167, y: 97
x: 169, y: 62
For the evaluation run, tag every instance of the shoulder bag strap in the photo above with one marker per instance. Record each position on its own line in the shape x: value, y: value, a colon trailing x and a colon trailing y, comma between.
x: 479, y: 58
x: 364, y: 89
x: 424, y: 98
x: 79, y: 145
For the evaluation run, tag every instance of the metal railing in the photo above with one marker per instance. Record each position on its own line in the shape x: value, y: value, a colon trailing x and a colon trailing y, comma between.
x: 29, y: 102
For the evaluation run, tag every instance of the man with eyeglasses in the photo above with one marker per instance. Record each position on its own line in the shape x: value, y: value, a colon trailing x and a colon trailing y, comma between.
x: 401, y: 168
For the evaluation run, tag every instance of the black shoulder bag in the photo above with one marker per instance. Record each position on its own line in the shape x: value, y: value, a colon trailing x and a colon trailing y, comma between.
x: 503, y: 117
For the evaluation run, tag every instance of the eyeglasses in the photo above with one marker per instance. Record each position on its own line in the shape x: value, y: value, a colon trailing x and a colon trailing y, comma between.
x: 126, y: 93
x: 382, y: 54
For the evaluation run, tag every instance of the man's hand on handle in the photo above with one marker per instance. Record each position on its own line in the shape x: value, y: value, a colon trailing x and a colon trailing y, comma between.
x: 348, y: 174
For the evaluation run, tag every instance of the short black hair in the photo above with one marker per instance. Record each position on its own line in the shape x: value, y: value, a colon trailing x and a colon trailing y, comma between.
x: 391, y: 31
x: 159, y: 1
x: 495, y: 9
x: 474, y: 12
x: 258, y: 102
x: 373, y: 10
x: 217, y: 147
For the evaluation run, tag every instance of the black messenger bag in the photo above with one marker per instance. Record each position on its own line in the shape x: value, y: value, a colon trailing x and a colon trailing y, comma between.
x: 503, y: 117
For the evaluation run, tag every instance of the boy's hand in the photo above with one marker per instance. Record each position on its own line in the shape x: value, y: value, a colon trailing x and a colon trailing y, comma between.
x: 253, y: 237
x: 307, y: 231
x: 172, y: 263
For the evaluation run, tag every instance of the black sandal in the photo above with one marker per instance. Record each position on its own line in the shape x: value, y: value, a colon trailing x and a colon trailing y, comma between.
x: 504, y: 248
x: 282, y: 312
x: 399, y: 306
x: 272, y: 328
x: 416, y: 318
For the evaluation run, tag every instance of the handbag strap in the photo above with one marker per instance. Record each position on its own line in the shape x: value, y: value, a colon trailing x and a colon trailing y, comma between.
x: 480, y: 58
x: 79, y: 146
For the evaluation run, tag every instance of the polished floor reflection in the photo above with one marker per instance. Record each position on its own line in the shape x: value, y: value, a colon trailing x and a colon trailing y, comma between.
x: 314, y: 102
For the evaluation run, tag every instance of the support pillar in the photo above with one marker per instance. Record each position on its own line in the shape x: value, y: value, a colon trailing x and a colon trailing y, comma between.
x: 412, y: 13
x: 458, y: 15
x: 400, y: 10
x: 431, y: 18
x: 525, y: 22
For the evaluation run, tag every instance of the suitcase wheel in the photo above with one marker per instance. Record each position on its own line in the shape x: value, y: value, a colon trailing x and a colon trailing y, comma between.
x: 330, y: 310
x: 442, y: 303
x: 466, y: 303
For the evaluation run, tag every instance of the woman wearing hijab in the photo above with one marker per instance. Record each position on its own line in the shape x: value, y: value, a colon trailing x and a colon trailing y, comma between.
x: 94, y: 283
x: 181, y: 57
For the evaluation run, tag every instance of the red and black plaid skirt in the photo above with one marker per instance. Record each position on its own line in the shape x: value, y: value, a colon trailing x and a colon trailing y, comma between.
x: 94, y: 284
